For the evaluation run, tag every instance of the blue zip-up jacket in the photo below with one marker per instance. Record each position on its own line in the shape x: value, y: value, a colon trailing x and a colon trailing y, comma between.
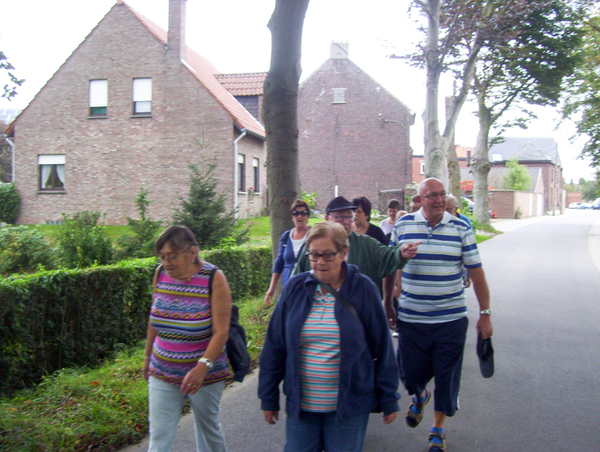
x: 369, y: 374
x: 286, y: 261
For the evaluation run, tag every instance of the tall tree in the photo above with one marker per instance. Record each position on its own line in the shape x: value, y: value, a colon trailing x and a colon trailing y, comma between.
x: 280, y: 113
x: 525, y: 65
x: 583, y: 101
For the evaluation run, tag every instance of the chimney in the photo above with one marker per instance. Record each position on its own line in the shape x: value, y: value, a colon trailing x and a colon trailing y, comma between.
x: 339, y: 50
x: 176, y: 33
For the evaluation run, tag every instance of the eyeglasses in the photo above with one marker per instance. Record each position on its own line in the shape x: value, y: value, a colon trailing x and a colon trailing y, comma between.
x: 304, y: 213
x: 171, y: 258
x: 327, y: 257
x: 343, y: 218
x: 435, y: 195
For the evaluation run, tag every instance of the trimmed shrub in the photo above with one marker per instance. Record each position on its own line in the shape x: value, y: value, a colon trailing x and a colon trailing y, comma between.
x: 82, y: 242
x: 63, y: 318
x: 24, y: 249
x: 9, y: 203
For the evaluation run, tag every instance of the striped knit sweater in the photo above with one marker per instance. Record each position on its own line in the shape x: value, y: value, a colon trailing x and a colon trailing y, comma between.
x: 181, y: 316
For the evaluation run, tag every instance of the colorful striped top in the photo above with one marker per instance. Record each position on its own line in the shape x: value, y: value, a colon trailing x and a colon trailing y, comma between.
x: 181, y: 316
x: 432, y: 287
x: 320, y: 355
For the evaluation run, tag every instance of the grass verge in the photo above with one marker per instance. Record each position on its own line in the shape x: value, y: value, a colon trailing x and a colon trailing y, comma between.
x: 98, y: 409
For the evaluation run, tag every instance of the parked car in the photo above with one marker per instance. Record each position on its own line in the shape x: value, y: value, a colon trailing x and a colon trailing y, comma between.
x: 596, y: 204
x: 586, y: 205
x: 574, y: 205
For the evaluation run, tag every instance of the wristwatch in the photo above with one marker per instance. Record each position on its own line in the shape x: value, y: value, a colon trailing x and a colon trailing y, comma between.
x: 486, y: 312
x: 208, y: 363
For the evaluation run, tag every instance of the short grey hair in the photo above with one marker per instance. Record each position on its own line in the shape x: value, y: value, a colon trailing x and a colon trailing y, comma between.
x: 451, y: 197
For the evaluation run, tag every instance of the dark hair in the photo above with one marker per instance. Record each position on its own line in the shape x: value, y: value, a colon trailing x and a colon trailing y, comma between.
x: 394, y: 204
x: 179, y: 237
x: 299, y: 202
x: 364, y: 204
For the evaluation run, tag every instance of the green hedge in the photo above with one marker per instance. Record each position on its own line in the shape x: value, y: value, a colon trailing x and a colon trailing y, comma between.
x: 63, y: 318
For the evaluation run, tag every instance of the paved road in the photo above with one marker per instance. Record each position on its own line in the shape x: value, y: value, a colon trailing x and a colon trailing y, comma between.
x: 544, y: 276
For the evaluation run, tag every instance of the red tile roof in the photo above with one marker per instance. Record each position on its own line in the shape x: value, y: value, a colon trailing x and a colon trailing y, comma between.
x: 249, y: 84
x: 206, y: 73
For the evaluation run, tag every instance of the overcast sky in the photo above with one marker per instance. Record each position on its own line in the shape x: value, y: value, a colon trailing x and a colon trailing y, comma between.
x: 37, y: 36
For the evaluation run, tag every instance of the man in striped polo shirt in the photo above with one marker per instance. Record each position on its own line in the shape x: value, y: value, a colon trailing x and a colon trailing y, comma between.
x: 432, y: 312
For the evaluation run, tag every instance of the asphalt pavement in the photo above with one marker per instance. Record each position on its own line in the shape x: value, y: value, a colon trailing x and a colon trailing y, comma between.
x: 544, y: 279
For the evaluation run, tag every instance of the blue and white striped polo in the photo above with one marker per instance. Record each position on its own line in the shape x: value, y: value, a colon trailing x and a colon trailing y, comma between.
x: 432, y: 287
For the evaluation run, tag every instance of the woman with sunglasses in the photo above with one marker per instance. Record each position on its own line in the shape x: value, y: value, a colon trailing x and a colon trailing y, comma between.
x: 328, y: 340
x: 290, y: 246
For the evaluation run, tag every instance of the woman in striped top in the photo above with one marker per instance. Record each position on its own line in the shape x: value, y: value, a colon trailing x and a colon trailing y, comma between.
x: 185, y: 347
x: 336, y: 357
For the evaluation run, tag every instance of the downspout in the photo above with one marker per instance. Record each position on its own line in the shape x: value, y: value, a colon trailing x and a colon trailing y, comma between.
x: 235, y: 170
x: 12, y: 146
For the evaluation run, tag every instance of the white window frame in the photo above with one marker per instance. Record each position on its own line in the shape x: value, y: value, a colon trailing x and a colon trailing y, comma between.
x: 51, y: 170
x: 256, y: 174
x: 241, y: 173
x: 98, y: 97
x: 339, y: 95
x: 142, y: 96
x: 422, y: 167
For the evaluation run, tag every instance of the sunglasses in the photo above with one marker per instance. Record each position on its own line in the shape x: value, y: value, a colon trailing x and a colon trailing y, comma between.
x: 304, y: 213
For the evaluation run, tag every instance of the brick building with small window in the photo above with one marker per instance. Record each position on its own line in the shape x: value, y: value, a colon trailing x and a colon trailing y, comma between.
x: 354, y: 134
x: 133, y: 107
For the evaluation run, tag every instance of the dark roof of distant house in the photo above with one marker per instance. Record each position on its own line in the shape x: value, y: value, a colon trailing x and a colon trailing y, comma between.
x: 205, y: 72
x: 526, y: 149
x: 249, y: 84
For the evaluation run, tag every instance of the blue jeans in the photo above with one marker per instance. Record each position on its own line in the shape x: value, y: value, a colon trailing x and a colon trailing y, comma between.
x: 165, y: 403
x: 315, y: 432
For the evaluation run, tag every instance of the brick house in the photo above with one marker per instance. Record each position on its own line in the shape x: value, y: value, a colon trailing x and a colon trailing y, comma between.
x: 463, y: 154
x: 539, y: 153
x: 132, y: 107
x: 354, y: 135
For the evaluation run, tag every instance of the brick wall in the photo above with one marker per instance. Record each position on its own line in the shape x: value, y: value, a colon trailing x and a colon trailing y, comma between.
x: 362, y: 145
x: 108, y: 160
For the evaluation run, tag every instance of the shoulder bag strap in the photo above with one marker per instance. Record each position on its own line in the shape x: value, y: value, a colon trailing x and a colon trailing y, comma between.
x: 338, y: 297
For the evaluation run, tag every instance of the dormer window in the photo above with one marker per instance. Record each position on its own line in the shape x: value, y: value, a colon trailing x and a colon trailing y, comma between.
x: 339, y: 95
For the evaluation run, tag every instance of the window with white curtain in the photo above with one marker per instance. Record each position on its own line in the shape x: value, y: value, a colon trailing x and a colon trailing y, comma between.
x: 52, y: 172
x: 98, y: 97
x: 142, y: 96
x: 339, y: 95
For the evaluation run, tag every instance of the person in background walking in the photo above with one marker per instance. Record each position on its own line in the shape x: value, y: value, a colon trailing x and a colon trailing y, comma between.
x: 393, y: 211
x: 185, y: 348
x: 291, y: 245
x: 328, y: 341
x: 362, y: 221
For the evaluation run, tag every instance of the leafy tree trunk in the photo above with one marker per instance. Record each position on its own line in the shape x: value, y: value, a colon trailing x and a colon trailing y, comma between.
x: 481, y: 166
x: 280, y: 113
x: 434, y: 155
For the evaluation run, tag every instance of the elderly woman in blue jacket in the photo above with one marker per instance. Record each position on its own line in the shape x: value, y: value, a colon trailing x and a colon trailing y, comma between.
x: 333, y: 352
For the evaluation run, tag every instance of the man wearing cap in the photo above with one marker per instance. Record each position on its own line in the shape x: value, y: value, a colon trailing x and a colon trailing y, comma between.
x: 432, y: 312
x: 370, y: 256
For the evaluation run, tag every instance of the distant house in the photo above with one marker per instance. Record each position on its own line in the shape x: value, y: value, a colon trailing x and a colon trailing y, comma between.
x: 541, y: 153
x: 133, y: 107
x: 354, y: 135
x: 463, y: 154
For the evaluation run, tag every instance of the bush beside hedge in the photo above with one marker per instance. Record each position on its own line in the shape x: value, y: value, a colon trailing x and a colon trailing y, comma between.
x: 62, y: 318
